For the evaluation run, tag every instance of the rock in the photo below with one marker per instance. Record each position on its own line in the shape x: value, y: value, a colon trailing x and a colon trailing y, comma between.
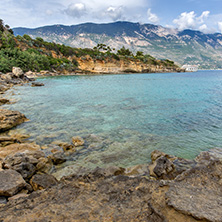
x: 17, y: 196
x: 10, y: 183
x: 45, y: 165
x: 58, y: 158
x: 77, y: 141
x: 42, y: 181
x: 197, y: 192
x: 15, y: 148
x: 6, y: 140
x: 3, y: 101
x: 10, y: 119
x: 37, y: 84
x: 168, y: 167
x: 17, y: 72
x: 3, y: 200
x: 24, y: 163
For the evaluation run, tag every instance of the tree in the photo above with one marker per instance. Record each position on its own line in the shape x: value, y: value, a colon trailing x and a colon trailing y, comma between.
x: 124, y: 52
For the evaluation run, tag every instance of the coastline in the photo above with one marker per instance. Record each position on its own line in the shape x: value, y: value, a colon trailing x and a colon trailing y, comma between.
x: 154, y: 191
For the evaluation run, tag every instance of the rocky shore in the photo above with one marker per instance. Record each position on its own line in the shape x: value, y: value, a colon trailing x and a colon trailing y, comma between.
x: 167, y: 189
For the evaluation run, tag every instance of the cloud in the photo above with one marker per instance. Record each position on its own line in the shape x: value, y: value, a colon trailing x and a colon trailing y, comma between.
x: 115, y: 13
x: 189, y: 20
x: 152, y: 17
x: 220, y: 26
x: 76, y: 10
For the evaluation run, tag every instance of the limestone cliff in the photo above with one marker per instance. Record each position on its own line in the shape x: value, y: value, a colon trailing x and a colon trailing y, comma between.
x: 112, y: 66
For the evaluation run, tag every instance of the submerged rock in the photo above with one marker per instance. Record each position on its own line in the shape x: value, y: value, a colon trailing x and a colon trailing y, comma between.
x: 77, y: 141
x: 3, y: 101
x: 34, y: 84
x: 10, y: 119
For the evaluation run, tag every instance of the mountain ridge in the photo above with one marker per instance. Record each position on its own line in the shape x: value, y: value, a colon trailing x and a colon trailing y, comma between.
x: 184, y: 47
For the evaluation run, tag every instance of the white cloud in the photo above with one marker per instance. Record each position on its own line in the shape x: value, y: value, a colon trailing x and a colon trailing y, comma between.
x: 189, y: 20
x: 115, y: 13
x: 152, y: 17
x: 220, y: 26
x: 76, y: 10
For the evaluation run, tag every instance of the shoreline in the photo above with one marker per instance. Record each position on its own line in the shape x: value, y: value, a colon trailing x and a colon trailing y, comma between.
x: 158, y: 191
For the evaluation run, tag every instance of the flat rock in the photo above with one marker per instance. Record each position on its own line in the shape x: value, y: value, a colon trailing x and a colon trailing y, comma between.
x: 198, y: 192
x: 10, y: 119
x: 15, y: 148
x: 42, y: 181
x: 11, y: 182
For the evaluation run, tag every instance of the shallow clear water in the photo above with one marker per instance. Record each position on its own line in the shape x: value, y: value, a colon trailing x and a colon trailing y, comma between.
x: 178, y: 113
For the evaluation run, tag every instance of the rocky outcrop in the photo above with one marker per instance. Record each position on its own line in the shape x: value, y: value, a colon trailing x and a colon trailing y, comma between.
x: 192, y: 194
x: 10, y: 119
x: 37, y: 84
x: 112, y: 66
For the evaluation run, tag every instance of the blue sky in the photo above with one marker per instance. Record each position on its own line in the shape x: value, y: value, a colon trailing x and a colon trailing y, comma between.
x: 203, y: 15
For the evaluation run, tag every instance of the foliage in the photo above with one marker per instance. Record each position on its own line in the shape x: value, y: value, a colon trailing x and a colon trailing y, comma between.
x: 124, y: 52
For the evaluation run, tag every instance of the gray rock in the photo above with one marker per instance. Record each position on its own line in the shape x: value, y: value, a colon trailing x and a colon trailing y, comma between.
x: 42, y: 181
x: 23, y: 163
x: 11, y: 182
x: 58, y: 158
x: 3, y: 200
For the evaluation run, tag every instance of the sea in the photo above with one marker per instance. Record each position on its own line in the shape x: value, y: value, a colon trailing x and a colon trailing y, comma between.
x: 128, y: 115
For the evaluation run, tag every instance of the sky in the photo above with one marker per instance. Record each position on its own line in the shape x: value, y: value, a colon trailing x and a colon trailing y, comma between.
x: 202, y: 15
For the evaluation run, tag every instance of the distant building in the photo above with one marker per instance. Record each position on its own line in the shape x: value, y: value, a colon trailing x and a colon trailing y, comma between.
x: 190, y: 68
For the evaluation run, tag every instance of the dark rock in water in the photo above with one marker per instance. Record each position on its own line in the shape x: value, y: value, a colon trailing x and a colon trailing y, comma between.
x: 42, y: 181
x: 11, y: 182
x: 58, y: 158
x: 3, y: 101
x: 10, y: 119
x: 37, y: 84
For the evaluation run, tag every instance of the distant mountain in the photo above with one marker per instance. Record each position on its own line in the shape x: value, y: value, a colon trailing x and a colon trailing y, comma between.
x: 183, y: 47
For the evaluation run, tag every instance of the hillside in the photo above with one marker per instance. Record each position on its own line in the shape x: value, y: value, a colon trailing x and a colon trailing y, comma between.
x: 183, y: 47
x: 36, y: 55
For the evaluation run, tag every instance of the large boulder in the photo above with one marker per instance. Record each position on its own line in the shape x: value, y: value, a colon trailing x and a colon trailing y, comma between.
x: 10, y: 119
x: 11, y: 182
x: 17, y: 72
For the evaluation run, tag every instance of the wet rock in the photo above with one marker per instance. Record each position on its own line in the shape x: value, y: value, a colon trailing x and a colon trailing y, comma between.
x: 17, y: 72
x: 36, y: 84
x: 3, y: 101
x: 10, y: 182
x: 6, y: 140
x: 168, y: 167
x: 58, y: 158
x: 10, y: 119
x: 44, y: 165
x: 77, y: 141
x: 42, y: 181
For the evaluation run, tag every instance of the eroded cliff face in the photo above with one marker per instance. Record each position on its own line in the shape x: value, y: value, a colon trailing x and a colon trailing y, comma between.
x: 112, y: 66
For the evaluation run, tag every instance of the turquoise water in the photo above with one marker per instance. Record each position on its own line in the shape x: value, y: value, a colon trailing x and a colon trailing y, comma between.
x: 178, y: 113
